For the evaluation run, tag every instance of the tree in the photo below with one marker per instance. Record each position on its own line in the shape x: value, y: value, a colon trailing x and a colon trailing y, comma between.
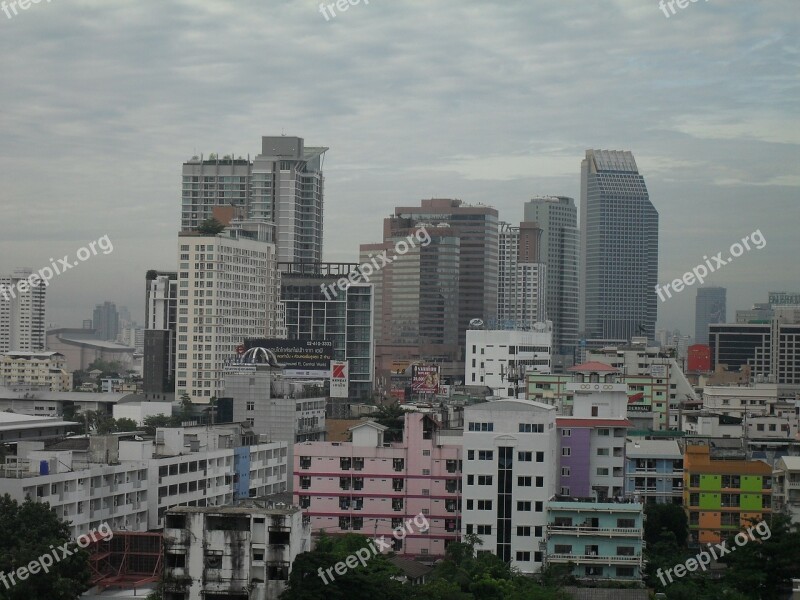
x: 391, y: 416
x: 152, y: 422
x: 368, y: 582
x: 662, y: 517
x: 29, y: 531
x: 126, y: 424
x: 764, y: 566
x: 210, y: 226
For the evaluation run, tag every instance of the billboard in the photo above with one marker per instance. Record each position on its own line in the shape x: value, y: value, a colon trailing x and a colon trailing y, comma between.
x: 425, y: 379
x: 307, y: 358
x: 339, y: 379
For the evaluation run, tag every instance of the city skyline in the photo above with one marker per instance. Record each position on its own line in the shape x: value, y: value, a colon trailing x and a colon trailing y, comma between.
x: 708, y: 157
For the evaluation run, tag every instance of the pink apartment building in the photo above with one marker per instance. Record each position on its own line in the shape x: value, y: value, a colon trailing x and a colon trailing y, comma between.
x: 370, y: 487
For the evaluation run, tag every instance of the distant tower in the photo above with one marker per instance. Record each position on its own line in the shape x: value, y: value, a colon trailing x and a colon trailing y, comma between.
x: 709, y: 308
x: 21, y: 313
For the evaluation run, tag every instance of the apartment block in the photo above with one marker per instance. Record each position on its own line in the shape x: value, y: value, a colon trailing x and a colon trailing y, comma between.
x: 721, y: 495
x: 521, y: 287
x: 602, y: 539
x: 43, y: 370
x: 22, y: 311
x: 654, y: 471
x: 510, y: 449
x: 372, y: 485
x: 232, y: 552
x: 786, y: 486
x: 500, y: 359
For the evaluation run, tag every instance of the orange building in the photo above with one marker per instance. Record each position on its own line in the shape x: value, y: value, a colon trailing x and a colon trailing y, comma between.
x: 723, y: 495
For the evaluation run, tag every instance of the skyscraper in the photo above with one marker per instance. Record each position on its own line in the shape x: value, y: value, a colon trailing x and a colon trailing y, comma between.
x: 105, y: 321
x: 709, y: 307
x: 283, y: 185
x: 21, y: 313
x: 557, y: 217
x: 231, y: 287
x: 426, y: 298
x: 619, y: 249
x: 161, y: 319
x: 521, y: 277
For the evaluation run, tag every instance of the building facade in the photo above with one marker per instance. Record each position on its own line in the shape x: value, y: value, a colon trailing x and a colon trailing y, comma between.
x: 501, y: 359
x: 557, y: 217
x: 228, y: 290
x: 786, y: 486
x: 232, y: 552
x: 160, y: 334
x: 619, y: 249
x: 314, y: 312
x: 654, y: 471
x: 43, y: 370
x: 510, y: 449
x: 22, y: 310
x: 521, y: 281
x: 721, y: 495
x: 371, y: 485
x: 105, y: 321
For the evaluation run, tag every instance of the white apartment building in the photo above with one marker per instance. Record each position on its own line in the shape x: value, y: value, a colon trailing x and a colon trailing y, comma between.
x: 22, y: 325
x: 521, y: 293
x: 499, y: 359
x: 228, y: 290
x: 736, y: 401
x: 130, y: 484
x: 232, y: 552
x: 509, y: 474
x: 45, y: 370
x: 786, y: 486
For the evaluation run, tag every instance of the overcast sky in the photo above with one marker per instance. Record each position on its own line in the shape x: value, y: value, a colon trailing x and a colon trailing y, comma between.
x: 101, y: 101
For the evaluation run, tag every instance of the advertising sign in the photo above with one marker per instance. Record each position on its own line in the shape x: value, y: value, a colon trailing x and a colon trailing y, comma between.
x: 301, y: 358
x: 425, y: 379
x: 339, y: 379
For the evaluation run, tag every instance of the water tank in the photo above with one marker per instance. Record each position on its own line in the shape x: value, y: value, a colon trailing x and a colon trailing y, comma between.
x: 44, y: 467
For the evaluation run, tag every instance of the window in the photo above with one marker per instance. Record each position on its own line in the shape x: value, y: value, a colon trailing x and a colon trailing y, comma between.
x: 523, y: 556
x: 485, y: 454
x: 481, y: 426
x: 470, y: 504
x: 358, y: 463
x: 565, y: 471
x: 539, y: 505
x: 470, y: 479
x: 399, y: 464
x: 525, y: 456
x: 251, y: 406
x: 470, y: 454
x: 624, y: 571
x: 305, y: 501
x: 524, y: 481
x: 540, y: 482
x: 484, y: 480
x: 566, y: 452
x: 426, y: 453
x: 484, y: 505
x: 602, y: 471
x: 523, y: 531
x: 626, y: 523
x: 602, y: 452
x: 531, y: 428
x: 397, y: 504
x: 540, y: 457
x: 523, y: 506
x: 562, y: 549
x: 694, y: 481
x: 603, y: 432
x: 566, y: 432
x: 537, y: 531
x: 305, y: 482
x: 484, y: 530
x: 730, y: 481
x: 344, y: 463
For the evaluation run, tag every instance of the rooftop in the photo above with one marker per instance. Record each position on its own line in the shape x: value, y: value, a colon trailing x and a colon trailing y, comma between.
x: 593, y: 366
x: 653, y: 449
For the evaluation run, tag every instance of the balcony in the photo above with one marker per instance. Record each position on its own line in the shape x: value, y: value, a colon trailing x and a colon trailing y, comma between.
x: 595, y: 531
x: 594, y: 559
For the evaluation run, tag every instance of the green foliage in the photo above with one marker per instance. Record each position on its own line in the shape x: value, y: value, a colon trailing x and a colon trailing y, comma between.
x: 671, y: 517
x: 360, y: 583
x: 391, y: 416
x: 27, y: 532
x: 111, y: 368
x: 152, y: 422
x: 126, y: 424
x: 210, y: 226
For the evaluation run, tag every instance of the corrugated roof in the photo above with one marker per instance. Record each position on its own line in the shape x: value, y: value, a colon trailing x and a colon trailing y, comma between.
x: 595, y: 366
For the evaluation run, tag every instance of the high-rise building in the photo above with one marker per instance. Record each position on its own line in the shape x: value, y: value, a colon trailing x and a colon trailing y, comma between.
x: 317, y: 310
x: 709, y: 307
x: 429, y: 295
x: 557, y: 217
x: 283, y: 185
x: 521, y: 277
x: 231, y: 287
x: 619, y: 249
x: 22, y: 326
x: 105, y: 321
x: 161, y: 323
